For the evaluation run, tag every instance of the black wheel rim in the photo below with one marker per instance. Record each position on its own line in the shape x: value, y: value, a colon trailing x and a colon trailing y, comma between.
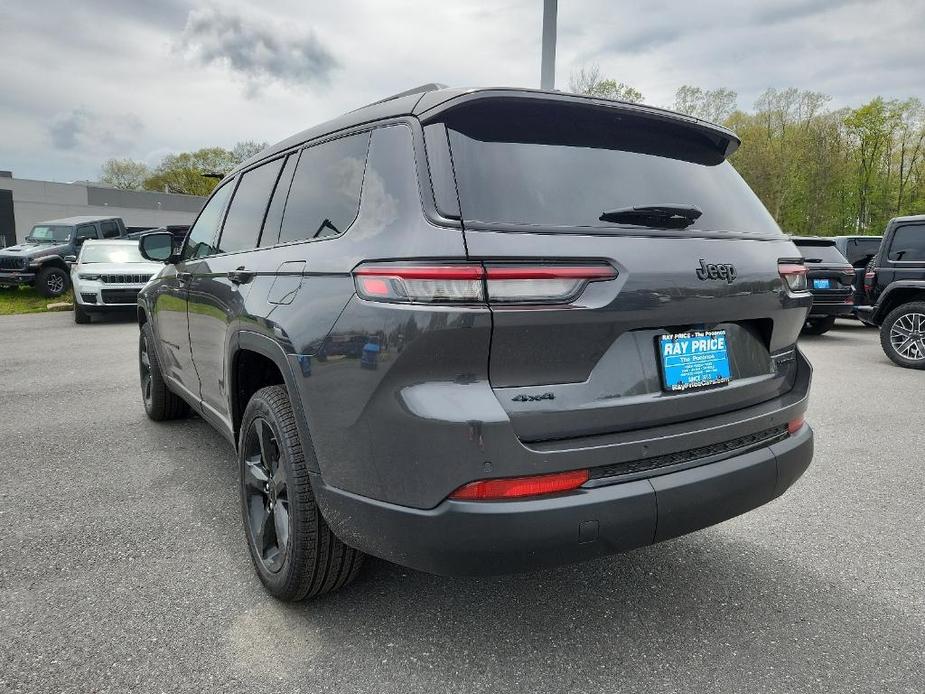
x: 55, y: 283
x: 266, y: 496
x: 144, y: 367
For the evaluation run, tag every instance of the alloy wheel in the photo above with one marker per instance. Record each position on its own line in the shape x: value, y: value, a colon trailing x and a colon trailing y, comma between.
x: 145, y: 369
x: 55, y: 283
x: 907, y: 336
x: 266, y: 495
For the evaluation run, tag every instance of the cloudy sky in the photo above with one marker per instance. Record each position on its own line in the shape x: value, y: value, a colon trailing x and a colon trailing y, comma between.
x: 85, y: 80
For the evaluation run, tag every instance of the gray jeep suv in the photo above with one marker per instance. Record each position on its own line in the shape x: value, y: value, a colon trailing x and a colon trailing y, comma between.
x: 483, y: 331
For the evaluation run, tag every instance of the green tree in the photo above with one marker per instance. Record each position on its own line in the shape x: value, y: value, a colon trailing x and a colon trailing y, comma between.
x: 125, y: 174
x: 197, y: 173
x: 246, y: 149
x: 714, y: 105
x: 588, y: 80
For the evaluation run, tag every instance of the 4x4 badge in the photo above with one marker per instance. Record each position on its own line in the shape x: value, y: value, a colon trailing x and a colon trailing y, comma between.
x: 716, y: 271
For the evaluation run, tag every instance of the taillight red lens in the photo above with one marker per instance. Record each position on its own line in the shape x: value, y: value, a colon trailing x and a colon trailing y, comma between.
x: 468, y: 283
x: 869, y: 279
x: 793, y: 274
x: 515, y: 487
x: 794, y: 425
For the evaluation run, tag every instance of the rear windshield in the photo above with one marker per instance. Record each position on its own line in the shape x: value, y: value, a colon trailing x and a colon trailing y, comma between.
x: 564, y: 165
x: 821, y: 254
x: 111, y: 253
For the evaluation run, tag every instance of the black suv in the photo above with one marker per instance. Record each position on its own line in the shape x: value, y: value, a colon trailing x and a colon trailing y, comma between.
x: 831, y: 279
x: 858, y: 251
x: 895, y: 286
x: 42, y: 259
x: 482, y: 331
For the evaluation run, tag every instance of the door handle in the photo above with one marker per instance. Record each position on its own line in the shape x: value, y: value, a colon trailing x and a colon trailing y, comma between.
x: 184, y: 277
x: 240, y: 276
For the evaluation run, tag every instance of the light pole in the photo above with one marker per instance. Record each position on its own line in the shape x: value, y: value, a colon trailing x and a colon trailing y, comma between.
x: 548, y: 67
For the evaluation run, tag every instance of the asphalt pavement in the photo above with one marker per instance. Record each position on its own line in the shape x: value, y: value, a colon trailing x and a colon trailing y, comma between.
x: 123, y: 565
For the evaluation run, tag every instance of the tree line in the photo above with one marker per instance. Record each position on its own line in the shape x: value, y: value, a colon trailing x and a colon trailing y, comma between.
x: 187, y: 173
x: 819, y: 170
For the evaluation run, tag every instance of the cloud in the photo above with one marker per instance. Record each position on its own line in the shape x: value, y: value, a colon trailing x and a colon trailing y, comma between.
x: 83, y: 129
x: 257, y: 50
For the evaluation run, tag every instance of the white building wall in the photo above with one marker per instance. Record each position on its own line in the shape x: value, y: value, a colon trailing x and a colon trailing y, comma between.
x: 39, y: 201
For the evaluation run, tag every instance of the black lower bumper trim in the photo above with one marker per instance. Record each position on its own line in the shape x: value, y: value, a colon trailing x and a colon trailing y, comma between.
x: 484, y: 538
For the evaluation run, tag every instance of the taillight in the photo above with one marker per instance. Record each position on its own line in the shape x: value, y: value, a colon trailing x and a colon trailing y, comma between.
x: 794, y: 425
x: 869, y: 279
x: 847, y: 276
x: 515, y: 487
x: 476, y: 283
x: 421, y: 283
x: 793, y: 274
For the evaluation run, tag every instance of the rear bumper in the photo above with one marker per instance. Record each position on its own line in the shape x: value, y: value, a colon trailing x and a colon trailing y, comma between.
x: 15, y: 279
x: 823, y: 309
x: 484, y: 538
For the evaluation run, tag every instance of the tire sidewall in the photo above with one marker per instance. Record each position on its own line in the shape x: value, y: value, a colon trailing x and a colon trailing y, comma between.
x: 292, y: 569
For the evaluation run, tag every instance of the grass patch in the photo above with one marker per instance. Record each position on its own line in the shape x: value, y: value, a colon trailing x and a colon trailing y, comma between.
x: 15, y: 300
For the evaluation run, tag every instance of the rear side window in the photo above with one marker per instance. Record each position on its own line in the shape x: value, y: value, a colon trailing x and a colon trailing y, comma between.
x: 248, y: 208
x: 908, y: 244
x: 201, y: 239
x: 325, y: 194
x: 274, y: 218
x: 110, y: 230
x: 554, y: 165
x: 87, y: 231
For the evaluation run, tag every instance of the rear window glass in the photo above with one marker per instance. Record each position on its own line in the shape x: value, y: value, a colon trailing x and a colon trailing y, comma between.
x: 821, y: 254
x: 325, y: 193
x: 563, y: 166
x: 861, y: 250
x: 908, y: 243
x: 248, y: 207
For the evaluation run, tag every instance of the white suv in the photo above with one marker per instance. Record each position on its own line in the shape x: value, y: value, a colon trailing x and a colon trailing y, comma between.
x: 107, y: 276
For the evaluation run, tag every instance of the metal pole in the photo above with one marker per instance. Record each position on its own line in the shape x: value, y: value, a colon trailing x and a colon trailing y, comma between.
x: 548, y: 69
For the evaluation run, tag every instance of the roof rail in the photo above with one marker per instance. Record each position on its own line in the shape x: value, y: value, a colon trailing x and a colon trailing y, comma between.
x: 429, y: 87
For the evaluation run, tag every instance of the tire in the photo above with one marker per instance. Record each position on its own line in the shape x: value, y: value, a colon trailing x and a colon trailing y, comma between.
x: 160, y: 403
x: 51, y: 282
x: 81, y: 317
x: 902, y: 335
x: 818, y: 326
x: 276, y: 493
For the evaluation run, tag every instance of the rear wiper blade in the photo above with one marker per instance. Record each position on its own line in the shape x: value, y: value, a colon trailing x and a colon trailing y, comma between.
x: 670, y: 215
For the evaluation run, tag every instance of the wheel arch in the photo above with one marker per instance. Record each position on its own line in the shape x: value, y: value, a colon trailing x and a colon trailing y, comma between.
x: 898, y: 293
x: 256, y: 361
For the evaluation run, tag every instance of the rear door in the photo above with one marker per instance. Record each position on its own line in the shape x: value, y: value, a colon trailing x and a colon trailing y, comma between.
x: 220, y: 282
x: 533, y: 182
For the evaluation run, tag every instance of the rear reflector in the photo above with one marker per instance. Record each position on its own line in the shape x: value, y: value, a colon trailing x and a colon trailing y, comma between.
x: 475, y: 283
x: 793, y: 274
x: 794, y: 425
x: 515, y: 487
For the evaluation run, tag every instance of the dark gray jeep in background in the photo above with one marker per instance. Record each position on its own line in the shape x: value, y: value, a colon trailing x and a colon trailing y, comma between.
x: 41, y: 261
x: 483, y: 331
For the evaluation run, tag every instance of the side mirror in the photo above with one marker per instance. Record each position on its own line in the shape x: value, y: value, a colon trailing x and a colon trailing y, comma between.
x: 70, y: 259
x: 157, y: 246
